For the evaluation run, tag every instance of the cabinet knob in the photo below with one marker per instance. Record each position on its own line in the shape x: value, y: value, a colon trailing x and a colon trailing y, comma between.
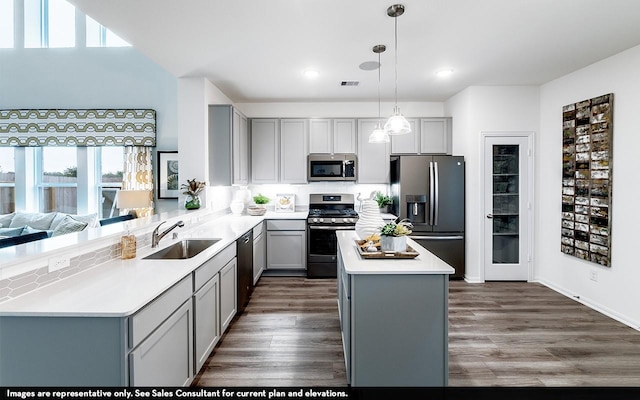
x: 490, y: 216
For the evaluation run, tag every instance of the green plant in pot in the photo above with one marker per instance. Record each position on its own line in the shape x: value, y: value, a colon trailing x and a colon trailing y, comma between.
x: 260, y: 207
x: 393, y: 236
x: 383, y: 200
x: 192, y: 191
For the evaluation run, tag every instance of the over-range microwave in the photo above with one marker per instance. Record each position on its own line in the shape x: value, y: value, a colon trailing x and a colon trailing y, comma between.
x: 332, y: 167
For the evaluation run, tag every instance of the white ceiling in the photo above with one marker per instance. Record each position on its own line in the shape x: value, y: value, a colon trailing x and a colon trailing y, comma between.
x: 256, y: 50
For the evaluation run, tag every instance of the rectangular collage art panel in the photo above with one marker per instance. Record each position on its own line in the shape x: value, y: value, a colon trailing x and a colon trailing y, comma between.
x: 586, y: 179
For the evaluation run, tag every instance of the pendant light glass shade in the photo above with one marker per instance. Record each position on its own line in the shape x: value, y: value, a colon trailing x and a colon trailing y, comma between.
x: 379, y: 135
x: 397, y: 124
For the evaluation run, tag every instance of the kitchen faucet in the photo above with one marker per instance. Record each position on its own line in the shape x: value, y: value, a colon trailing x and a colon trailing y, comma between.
x: 155, y: 236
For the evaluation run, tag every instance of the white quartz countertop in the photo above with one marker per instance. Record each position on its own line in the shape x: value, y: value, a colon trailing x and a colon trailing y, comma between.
x: 425, y: 263
x: 119, y: 287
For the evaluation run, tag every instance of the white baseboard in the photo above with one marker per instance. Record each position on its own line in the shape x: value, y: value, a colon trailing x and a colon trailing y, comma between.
x: 593, y: 305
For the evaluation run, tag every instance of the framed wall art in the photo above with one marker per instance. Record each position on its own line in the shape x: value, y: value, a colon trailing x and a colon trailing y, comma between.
x: 168, y: 181
x: 586, y: 179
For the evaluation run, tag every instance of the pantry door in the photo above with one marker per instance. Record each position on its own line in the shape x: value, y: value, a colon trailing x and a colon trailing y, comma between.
x: 508, y: 187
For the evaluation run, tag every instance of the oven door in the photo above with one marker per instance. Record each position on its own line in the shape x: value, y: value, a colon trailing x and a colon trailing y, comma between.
x: 322, y: 242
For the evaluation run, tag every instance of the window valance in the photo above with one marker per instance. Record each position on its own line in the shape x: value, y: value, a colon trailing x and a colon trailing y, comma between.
x: 92, y: 127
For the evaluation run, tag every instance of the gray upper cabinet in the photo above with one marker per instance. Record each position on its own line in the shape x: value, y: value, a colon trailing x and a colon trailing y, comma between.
x: 320, y: 136
x: 265, y: 150
x: 240, y: 149
x: 330, y: 136
x: 435, y: 136
x: 408, y: 143
x: 373, y: 158
x: 428, y: 136
x: 279, y: 149
x: 228, y: 146
x: 293, y: 150
x: 344, y: 136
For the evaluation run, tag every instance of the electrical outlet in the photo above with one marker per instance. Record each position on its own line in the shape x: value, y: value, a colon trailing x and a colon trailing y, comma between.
x: 56, y: 263
x: 594, y: 275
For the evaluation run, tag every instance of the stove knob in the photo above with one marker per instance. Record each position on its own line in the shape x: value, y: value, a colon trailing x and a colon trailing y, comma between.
x: 345, y: 220
x: 321, y: 219
x: 333, y: 220
x: 315, y: 220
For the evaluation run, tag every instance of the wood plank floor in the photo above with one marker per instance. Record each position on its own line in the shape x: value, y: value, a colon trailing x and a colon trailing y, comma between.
x: 500, y: 334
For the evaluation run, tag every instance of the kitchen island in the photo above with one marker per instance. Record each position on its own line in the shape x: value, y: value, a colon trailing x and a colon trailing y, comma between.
x: 393, y: 317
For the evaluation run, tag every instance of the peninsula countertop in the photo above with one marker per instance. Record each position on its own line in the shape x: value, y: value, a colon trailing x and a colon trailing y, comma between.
x: 119, y: 287
x: 425, y: 263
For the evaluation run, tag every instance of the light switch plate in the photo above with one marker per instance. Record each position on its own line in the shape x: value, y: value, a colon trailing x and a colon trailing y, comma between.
x: 594, y: 275
x: 56, y: 263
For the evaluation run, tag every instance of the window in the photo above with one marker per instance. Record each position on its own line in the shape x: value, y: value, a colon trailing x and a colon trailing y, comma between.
x: 6, y: 24
x: 100, y: 36
x: 7, y: 180
x: 111, y: 167
x: 49, y: 23
x: 59, y: 180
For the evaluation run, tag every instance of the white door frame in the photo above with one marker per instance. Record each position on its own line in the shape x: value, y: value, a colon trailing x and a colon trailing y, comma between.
x: 530, y: 135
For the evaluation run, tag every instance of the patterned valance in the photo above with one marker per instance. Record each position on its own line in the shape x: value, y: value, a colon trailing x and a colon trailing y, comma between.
x: 108, y: 127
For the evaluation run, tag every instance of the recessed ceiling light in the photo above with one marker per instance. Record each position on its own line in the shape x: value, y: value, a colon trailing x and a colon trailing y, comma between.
x: 310, y: 73
x: 444, y: 73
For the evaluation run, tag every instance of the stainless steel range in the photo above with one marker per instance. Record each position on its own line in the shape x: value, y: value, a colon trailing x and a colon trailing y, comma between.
x: 327, y: 214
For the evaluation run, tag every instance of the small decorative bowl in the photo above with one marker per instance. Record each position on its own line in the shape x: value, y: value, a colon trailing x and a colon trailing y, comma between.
x: 255, y: 210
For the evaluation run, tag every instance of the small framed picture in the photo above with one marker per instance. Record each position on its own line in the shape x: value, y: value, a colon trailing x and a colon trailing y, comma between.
x: 285, y: 203
x: 168, y: 182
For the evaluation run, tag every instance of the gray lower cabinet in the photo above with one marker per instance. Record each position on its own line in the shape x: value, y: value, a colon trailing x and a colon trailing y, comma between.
x: 228, y: 293
x: 164, y: 343
x: 165, y: 358
x: 206, y: 305
x: 259, y: 252
x: 286, y: 244
x: 394, y: 328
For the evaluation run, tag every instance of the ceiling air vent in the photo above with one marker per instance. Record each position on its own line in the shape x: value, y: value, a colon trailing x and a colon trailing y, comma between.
x: 349, y: 83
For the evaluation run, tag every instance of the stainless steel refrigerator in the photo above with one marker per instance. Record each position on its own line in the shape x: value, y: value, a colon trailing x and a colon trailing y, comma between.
x: 429, y: 191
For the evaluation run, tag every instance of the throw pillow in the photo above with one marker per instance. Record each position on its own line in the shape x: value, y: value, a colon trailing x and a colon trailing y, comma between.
x: 68, y: 225
x: 5, y: 219
x: 11, y: 232
x: 90, y: 219
x: 34, y: 220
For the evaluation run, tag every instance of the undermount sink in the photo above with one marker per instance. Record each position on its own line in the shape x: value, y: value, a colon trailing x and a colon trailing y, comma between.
x: 183, y: 249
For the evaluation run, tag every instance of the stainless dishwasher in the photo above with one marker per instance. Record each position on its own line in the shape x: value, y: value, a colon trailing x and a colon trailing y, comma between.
x: 244, y: 253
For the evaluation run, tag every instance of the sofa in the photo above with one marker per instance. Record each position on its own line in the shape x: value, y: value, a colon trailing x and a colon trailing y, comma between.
x: 32, y: 225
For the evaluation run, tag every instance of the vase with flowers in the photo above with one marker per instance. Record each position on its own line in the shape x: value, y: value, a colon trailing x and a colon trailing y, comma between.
x: 192, y: 191
x: 393, y: 236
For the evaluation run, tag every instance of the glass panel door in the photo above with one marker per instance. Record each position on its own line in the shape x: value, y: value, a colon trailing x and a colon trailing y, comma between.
x: 507, y: 165
x: 506, y: 204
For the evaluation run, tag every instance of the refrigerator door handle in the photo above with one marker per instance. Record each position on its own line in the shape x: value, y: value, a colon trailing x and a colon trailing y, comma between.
x: 436, y: 237
x: 436, y: 207
x: 431, y: 193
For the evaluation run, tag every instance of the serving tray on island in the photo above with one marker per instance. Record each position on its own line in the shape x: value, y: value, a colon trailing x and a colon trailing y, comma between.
x: 409, y: 253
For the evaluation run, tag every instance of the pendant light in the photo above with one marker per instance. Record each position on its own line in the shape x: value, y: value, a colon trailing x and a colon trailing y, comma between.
x: 397, y: 124
x: 379, y: 135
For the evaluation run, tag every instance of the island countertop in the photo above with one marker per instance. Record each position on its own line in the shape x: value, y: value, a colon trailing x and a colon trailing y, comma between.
x: 425, y: 263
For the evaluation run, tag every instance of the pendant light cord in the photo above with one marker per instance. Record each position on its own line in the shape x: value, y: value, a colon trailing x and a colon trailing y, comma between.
x: 379, y: 68
x: 396, y: 58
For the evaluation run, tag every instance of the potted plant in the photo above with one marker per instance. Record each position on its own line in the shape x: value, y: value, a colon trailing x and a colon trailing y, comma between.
x: 383, y: 201
x: 393, y: 237
x: 259, y: 208
x: 192, y: 191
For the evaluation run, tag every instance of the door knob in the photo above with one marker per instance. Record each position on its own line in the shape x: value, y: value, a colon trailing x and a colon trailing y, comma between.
x: 490, y: 216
